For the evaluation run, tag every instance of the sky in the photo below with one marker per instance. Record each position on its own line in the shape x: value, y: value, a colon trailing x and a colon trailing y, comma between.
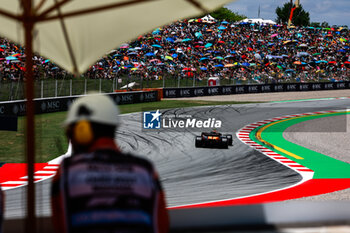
x: 335, y: 12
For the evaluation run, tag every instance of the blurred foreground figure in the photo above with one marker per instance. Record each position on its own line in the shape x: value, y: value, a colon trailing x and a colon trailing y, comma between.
x: 2, y: 201
x: 100, y: 189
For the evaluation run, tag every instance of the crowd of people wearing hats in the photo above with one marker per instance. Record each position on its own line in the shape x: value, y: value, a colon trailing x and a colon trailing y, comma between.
x: 196, y: 49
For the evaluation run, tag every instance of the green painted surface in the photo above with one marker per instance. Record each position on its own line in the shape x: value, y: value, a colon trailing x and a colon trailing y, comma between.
x: 323, y: 166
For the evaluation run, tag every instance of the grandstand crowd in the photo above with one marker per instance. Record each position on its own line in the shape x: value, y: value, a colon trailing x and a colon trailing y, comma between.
x: 197, y: 49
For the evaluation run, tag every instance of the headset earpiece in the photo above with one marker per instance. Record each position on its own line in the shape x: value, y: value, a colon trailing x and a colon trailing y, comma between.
x: 83, y: 133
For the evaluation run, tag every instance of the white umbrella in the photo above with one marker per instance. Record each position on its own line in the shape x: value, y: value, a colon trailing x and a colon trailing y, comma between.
x: 75, y: 34
x: 129, y: 85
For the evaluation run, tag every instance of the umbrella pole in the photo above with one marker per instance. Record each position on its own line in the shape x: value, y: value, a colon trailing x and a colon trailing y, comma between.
x: 30, y: 135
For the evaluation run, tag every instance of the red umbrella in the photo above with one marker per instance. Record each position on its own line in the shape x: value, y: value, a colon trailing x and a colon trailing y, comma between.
x: 221, y: 42
x: 189, y: 74
x: 332, y: 62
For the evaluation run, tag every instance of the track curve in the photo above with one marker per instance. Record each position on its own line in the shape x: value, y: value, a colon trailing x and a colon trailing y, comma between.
x: 192, y: 175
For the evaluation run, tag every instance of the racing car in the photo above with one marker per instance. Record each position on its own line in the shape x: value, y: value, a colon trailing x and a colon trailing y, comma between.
x: 213, y: 139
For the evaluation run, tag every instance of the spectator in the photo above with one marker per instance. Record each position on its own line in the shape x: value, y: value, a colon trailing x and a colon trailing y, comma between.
x: 2, y: 202
x: 99, y: 188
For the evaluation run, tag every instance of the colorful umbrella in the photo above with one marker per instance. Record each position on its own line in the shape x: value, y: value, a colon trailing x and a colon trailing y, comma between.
x: 169, y: 58
x: 157, y: 46
x: 208, y: 45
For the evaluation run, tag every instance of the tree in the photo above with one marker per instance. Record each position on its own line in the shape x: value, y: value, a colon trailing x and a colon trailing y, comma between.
x: 226, y: 14
x: 300, y: 16
x: 324, y: 24
x: 315, y: 24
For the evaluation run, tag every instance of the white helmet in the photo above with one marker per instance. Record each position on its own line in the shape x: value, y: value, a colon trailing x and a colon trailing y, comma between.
x: 98, y: 108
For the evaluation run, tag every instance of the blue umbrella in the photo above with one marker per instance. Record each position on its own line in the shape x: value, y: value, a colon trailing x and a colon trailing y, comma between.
x: 117, y: 55
x: 257, y: 56
x: 228, y: 56
x: 198, y: 34
x: 219, y: 65
x: 133, y: 53
x: 203, y: 68
x: 208, y: 45
x: 186, y: 40
x: 224, y: 22
x: 221, y: 28
x: 175, y: 55
x: 203, y: 58
x: 322, y: 61
x: 9, y: 58
x: 149, y: 54
x: 342, y: 50
x: 170, y: 39
x: 290, y: 70
x: 245, y: 64
x: 156, y: 31
x: 157, y: 46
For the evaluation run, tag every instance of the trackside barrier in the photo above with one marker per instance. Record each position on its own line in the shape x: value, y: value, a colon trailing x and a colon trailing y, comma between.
x: 60, y: 104
x: 292, y: 214
x: 258, y: 88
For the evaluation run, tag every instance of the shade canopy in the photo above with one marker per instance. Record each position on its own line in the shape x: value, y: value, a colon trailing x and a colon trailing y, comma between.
x: 78, y: 33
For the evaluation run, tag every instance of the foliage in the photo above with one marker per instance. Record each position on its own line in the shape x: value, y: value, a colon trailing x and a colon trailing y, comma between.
x: 300, y: 16
x: 324, y: 24
x: 226, y: 14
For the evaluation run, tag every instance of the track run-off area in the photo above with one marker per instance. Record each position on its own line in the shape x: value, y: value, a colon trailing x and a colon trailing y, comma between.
x: 260, y: 167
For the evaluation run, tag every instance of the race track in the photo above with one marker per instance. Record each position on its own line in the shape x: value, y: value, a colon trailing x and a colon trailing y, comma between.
x: 191, y: 175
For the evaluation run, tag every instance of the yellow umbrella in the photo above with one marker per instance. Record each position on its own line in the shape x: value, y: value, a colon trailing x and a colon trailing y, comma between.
x: 169, y: 58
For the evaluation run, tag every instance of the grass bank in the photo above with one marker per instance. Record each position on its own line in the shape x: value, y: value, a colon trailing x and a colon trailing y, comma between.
x: 51, y: 141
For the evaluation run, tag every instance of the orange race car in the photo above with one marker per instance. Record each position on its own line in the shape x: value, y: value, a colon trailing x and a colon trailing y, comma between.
x: 213, y: 139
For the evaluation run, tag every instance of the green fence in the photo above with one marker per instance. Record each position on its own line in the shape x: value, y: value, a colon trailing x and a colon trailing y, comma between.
x: 45, y: 88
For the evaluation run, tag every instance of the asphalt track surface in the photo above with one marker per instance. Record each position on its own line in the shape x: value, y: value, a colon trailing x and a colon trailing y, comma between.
x: 191, y: 175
